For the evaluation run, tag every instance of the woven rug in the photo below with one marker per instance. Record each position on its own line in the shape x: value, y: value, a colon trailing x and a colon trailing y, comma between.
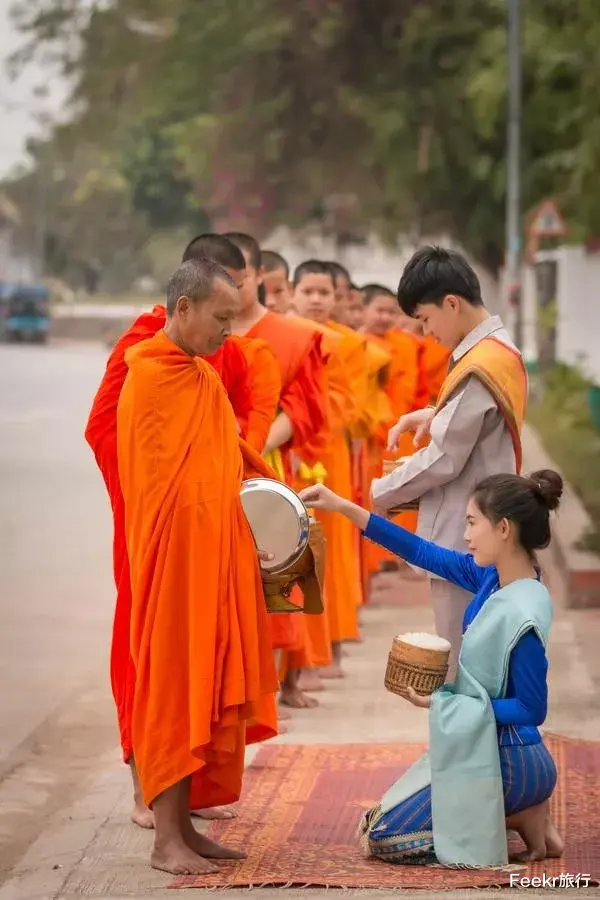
x: 301, y: 805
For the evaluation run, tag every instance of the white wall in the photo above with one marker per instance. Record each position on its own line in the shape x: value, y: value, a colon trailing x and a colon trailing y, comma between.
x: 578, y: 312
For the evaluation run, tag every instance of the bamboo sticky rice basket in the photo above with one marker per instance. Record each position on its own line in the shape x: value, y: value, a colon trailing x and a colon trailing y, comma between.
x: 419, y: 661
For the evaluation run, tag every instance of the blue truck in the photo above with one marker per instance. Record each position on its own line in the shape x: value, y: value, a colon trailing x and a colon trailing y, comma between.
x: 25, y: 312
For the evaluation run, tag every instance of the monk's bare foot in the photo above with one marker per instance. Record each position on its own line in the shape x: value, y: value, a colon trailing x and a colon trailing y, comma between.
x: 555, y: 846
x: 206, y: 848
x: 333, y: 671
x: 310, y: 681
x: 141, y: 815
x: 284, y: 715
x: 214, y: 812
x: 179, y: 859
x: 294, y: 697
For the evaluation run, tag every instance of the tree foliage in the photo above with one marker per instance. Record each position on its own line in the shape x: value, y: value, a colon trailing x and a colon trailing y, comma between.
x: 388, y: 114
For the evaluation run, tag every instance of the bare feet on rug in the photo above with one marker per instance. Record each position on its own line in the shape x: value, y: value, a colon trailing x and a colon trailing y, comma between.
x: 213, y: 813
x: 297, y: 699
x: 555, y: 846
x: 333, y: 671
x: 179, y: 859
x: 538, y: 832
x: 206, y: 848
x: 310, y: 681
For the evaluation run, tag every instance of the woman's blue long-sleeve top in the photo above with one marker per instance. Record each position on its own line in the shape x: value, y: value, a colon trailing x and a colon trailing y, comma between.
x: 525, y: 705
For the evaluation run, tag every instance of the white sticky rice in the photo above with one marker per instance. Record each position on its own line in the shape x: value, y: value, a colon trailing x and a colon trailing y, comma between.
x: 422, y: 639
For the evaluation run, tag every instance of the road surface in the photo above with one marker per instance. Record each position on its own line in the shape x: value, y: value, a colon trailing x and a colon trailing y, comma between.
x: 57, y: 594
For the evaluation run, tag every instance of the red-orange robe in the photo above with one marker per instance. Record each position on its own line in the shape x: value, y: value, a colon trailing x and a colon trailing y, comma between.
x: 199, y: 639
x: 101, y: 435
x: 331, y: 449
x: 300, y: 357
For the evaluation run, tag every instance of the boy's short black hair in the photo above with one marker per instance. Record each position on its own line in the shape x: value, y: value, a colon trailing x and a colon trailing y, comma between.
x: 274, y: 262
x: 370, y: 291
x: 217, y: 247
x: 338, y: 271
x: 431, y: 274
x: 247, y: 244
x: 312, y: 267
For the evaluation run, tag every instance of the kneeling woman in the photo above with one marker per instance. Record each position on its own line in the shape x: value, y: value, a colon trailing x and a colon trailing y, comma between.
x: 487, y: 768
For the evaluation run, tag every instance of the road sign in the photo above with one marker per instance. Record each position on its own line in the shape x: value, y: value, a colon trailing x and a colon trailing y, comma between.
x: 547, y: 221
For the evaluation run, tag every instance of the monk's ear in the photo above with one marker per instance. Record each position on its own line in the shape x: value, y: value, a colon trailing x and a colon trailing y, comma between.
x: 260, y: 274
x: 183, y: 305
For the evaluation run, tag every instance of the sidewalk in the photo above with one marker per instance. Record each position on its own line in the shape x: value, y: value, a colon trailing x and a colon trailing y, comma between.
x: 91, y: 850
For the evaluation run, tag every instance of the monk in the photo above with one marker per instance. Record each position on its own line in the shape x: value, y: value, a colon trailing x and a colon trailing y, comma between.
x: 276, y: 281
x: 231, y: 364
x: 314, y: 299
x: 301, y: 415
x: 342, y: 284
x: 405, y: 386
x: 201, y: 670
x: 263, y: 374
x: 356, y: 309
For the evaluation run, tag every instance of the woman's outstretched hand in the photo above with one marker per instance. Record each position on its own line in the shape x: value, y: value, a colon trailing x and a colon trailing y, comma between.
x: 418, y: 699
x: 320, y: 497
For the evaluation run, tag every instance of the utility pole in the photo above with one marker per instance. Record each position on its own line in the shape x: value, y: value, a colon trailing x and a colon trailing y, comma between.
x: 513, y: 168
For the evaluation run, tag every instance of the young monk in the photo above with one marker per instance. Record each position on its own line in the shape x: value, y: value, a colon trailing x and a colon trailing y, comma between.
x: 342, y: 285
x: 263, y: 377
x: 200, y: 671
x: 405, y: 387
x: 276, y: 281
x: 101, y: 434
x: 301, y: 415
x: 475, y: 428
x: 314, y: 299
x: 356, y: 311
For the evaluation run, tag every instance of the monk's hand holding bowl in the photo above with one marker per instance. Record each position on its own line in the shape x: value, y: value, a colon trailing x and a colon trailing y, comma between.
x: 265, y: 556
x: 418, y: 699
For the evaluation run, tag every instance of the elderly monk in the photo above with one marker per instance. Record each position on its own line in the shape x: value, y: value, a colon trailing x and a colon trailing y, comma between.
x: 101, y: 434
x: 199, y: 638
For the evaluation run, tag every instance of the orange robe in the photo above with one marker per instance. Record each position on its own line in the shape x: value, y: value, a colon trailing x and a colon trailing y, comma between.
x: 199, y: 639
x: 436, y: 358
x: 301, y: 365
x: 373, y: 446
x: 407, y: 391
x: 264, y: 380
x: 354, y: 352
x: 101, y: 435
x: 331, y: 450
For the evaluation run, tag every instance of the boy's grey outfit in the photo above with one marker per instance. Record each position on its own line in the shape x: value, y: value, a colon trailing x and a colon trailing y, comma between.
x: 469, y: 441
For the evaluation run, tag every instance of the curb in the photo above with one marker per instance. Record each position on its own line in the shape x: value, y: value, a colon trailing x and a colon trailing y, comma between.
x: 580, y: 568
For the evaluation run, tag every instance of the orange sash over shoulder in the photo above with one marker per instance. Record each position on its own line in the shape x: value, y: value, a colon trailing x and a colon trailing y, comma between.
x: 501, y: 370
x: 199, y: 637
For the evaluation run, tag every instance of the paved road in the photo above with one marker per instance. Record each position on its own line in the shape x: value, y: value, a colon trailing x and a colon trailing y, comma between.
x: 56, y: 593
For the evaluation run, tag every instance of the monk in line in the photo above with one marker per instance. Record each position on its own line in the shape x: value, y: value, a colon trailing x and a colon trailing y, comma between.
x: 276, y: 281
x: 198, y: 620
x: 406, y: 389
x: 101, y: 434
x: 436, y: 357
x: 300, y: 416
x: 314, y: 299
